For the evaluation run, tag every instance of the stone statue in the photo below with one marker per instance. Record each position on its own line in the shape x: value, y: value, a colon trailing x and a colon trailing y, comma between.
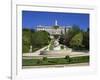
x: 56, y: 43
x: 30, y: 49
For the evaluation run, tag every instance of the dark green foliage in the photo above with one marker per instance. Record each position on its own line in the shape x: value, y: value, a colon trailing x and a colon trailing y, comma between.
x: 81, y: 59
x: 66, y: 38
x: 45, y: 58
x: 71, y: 33
x: 25, y: 48
x: 37, y: 39
x: 55, y: 61
x: 67, y: 58
x: 40, y: 39
x: 75, y: 38
x: 39, y: 61
x: 62, y: 46
x: 56, y: 36
x: 26, y: 36
x: 26, y: 40
x: 86, y: 39
x: 76, y: 41
x: 62, y: 39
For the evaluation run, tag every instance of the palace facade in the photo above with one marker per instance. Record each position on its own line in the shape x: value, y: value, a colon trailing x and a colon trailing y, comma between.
x: 53, y: 31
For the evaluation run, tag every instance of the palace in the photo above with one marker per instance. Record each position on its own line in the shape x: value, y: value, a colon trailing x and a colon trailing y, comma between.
x: 53, y: 31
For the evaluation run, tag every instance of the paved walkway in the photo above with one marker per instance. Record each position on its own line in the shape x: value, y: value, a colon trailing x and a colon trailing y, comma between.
x: 37, y: 56
x: 36, y: 53
x: 75, y: 54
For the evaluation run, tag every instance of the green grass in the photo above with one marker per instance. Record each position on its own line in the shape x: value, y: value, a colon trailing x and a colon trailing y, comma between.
x: 54, y: 61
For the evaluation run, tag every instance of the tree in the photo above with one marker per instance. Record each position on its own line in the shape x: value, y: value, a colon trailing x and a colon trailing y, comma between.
x: 26, y: 36
x: 40, y: 39
x: 70, y: 34
x: 76, y: 41
x: 86, y: 39
x: 61, y: 39
x: 26, y: 40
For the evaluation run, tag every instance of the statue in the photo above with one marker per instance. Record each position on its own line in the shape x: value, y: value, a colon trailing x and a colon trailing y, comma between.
x: 56, y: 43
x: 30, y: 49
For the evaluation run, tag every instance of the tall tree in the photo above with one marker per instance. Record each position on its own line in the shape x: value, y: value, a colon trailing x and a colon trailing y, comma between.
x: 76, y: 41
x: 86, y: 39
x: 40, y: 39
x: 26, y: 40
x: 71, y: 33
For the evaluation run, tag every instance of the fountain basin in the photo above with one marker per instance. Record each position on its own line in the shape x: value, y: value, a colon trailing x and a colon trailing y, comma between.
x: 56, y: 52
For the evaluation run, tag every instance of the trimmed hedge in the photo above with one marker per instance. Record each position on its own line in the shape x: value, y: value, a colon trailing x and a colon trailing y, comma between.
x: 54, y: 61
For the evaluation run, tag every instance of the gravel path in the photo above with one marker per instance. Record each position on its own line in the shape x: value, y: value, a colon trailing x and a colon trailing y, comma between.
x: 72, y: 54
x: 36, y: 53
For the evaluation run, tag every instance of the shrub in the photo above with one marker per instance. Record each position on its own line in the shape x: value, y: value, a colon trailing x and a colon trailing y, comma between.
x: 39, y: 61
x: 62, y: 47
x: 68, y: 58
x: 44, y: 58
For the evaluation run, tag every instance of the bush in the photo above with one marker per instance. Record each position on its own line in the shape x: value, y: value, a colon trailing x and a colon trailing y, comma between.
x: 67, y: 58
x: 80, y: 59
x: 62, y: 47
x: 39, y: 61
x: 45, y: 58
x: 55, y: 61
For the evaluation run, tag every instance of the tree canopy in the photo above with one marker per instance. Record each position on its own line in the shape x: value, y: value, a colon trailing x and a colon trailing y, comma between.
x: 76, y: 41
x: 26, y: 40
x: 75, y: 38
x: 40, y: 38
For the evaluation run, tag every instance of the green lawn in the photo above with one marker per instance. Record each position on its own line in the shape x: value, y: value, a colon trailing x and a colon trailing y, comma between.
x: 54, y: 61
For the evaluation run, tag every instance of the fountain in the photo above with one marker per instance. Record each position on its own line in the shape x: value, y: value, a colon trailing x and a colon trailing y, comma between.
x: 54, y: 48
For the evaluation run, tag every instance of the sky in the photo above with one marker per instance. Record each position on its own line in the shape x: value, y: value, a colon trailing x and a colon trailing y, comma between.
x: 30, y: 19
